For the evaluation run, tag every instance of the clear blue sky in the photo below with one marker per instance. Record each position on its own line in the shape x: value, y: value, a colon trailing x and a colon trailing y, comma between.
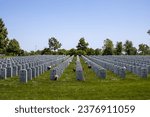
x: 32, y: 22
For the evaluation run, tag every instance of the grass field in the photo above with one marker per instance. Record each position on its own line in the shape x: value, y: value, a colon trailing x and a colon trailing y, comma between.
x: 68, y: 88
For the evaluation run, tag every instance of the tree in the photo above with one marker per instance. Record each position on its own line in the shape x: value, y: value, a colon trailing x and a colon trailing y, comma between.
x: 13, y: 47
x: 108, y: 47
x: 62, y: 52
x: 129, y: 49
x: 143, y: 49
x: 54, y: 44
x: 128, y: 46
x: 81, y: 52
x: 3, y: 37
x: 97, y: 51
x: 21, y: 53
x: 133, y: 51
x: 119, y: 48
x: 32, y: 52
x: 46, y: 51
x: 90, y: 51
x: 82, y: 45
x: 72, y: 52
x: 38, y: 52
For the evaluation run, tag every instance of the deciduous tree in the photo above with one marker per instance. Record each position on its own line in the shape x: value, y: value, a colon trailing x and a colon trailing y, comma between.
x: 82, y: 44
x: 13, y: 47
x: 108, y: 47
x: 54, y: 44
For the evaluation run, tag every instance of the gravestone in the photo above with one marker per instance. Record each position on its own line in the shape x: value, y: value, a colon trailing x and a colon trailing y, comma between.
x: 79, y: 70
x: 116, y: 69
x: 40, y: 70
x: 102, y: 73
x: 3, y: 73
x: 79, y: 75
x: 122, y: 72
x: 26, y: 66
x: 138, y: 70
x: 15, y: 70
x: 29, y: 74
x: 23, y: 76
x: 9, y: 71
x: 134, y: 69
x: 144, y: 73
x: 148, y: 67
x: 23, y: 66
x: 53, y: 74
x: 37, y: 71
x: 33, y: 72
x: 19, y: 68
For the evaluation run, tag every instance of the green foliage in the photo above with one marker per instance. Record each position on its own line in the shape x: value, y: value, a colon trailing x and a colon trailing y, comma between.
x: 98, y: 51
x: 54, y: 44
x: 119, y: 48
x: 81, y: 52
x: 46, y: 51
x: 22, y: 53
x: 72, y: 52
x: 108, y: 47
x: 13, y: 47
x: 62, y: 52
x: 128, y: 47
x: 133, y: 51
x: 143, y: 49
x: 3, y: 37
x: 90, y: 51
x: 82, y: 45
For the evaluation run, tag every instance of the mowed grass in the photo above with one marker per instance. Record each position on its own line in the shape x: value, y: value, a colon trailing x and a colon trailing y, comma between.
x: 68, y: 88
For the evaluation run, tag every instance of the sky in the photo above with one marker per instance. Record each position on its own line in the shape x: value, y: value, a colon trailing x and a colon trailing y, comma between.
x: 33, y: 22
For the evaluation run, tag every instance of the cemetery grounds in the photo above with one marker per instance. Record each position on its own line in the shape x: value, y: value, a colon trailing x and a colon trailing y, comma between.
x: 67, y: 87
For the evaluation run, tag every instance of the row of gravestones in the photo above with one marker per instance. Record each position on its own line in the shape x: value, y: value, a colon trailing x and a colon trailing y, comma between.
x: 57, y: 71
x: 12, y: 69
x: 79, y: 70
x: 26, y: 73
x: 141, y: 59
x: 34, y: 68
x: 33, y: 60
x: 100, y: 71
x: 139, y: 70
x: 120, y: 71
x: 12, y: 62
x: 29, y: 59
x: 145, y: 59
x: 122, y: 60
x: 134, y: 61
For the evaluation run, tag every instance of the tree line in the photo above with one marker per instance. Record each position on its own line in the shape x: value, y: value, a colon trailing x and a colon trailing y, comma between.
x: 12, y: 47
x: 108, y: 48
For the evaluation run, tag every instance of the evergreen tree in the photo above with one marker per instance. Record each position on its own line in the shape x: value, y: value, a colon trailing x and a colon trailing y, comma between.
x: 3, y: 37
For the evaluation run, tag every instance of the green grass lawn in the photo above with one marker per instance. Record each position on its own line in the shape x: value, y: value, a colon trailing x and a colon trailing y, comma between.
x: 68, y: 88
